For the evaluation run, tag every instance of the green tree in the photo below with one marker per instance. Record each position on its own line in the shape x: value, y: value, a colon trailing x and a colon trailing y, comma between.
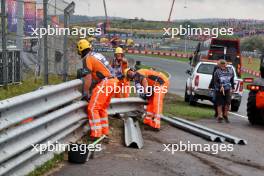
x: 253, y: 43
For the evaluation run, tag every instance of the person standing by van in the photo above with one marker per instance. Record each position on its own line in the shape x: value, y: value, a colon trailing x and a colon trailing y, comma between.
x: 224, y: 86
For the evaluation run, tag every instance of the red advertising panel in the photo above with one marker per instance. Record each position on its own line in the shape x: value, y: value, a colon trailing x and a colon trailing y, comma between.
x: 40, y: 17
x: 29, y: 16
x: 11, y: 14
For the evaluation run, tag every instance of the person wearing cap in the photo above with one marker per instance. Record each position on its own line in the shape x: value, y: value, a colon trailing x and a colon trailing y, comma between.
x: 224, y: 85
x: 212, y: 89
x: 119, y: 64
x: 96, y: 67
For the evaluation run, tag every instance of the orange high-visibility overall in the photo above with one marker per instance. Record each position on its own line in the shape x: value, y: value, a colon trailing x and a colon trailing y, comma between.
x: 99, y: 67
x: 123, y: 83
x: 155, y: 102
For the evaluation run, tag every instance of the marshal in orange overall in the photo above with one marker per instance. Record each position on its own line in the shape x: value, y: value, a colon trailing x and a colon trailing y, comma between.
x: 155, y: 85
x: 96, y: 68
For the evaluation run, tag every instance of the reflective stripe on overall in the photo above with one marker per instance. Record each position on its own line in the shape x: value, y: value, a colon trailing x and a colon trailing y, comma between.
x: 97, y: 107
x: 155, y: 104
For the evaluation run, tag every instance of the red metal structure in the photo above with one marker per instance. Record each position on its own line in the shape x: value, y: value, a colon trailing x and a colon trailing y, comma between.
x: 220, y: 48
x: 169, y: 19
x: 107, y: 21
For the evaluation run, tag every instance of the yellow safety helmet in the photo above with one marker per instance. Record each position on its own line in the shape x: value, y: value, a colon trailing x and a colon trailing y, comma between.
x: 119, y: 50
x: 82, y: 45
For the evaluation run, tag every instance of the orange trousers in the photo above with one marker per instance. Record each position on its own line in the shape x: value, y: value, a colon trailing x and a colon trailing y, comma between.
x: 155, y: 107
x: 97, y: 107
x: 123, y: 86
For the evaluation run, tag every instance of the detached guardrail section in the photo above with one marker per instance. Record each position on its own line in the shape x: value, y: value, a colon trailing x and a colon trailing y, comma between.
x: 56, y: 114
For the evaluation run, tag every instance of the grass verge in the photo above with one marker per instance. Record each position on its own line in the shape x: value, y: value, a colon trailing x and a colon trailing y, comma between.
x: 149, y: 67
x: 246, y: 75
x: 26, y: 86
x: 175, y: 105
x: 253, y: 66
x: 180, y: 59
x: 48, y: 166
x: 109, y: 54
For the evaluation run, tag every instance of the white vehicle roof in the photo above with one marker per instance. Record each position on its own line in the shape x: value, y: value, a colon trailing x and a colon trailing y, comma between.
x: 214, y: 63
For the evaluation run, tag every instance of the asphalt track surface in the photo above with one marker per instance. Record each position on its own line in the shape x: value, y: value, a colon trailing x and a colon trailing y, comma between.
x: 117, y: 160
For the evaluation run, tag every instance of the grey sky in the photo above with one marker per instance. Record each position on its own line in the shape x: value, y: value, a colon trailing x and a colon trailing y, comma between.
x: 159, y: 9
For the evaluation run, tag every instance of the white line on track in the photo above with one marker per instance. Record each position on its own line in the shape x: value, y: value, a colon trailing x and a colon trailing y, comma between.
x: 244, y: 117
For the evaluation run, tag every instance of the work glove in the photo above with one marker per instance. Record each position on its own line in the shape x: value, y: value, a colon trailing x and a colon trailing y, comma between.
x: 85, y: 97
x: 79, y: 73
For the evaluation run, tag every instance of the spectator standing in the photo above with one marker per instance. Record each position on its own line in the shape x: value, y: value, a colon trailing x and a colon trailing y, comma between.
x: 224, y: 86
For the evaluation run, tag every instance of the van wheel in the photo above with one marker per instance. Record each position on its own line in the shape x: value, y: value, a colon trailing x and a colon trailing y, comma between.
x: 235, y: 106
x: 186, y: 96
x: 192, y: 100
x: 252, y: 112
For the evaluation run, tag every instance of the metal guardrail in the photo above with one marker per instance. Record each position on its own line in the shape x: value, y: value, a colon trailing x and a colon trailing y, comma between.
x: 123, y: 105
x: 202, y: 131
x: 227, y: 137
x: 17, y: 109
x: 133, y: 136
x: 57, y: 115
x: 204, y: 134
